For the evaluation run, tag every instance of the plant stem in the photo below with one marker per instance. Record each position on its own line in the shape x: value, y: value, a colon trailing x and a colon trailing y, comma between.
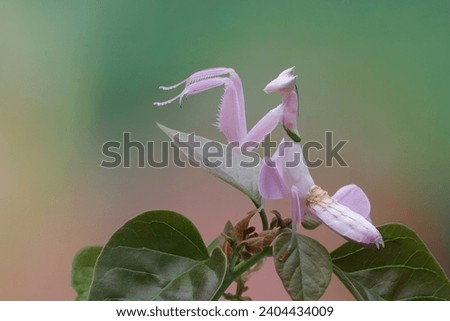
x: 262, y: 215
x: 241, y: 268
x: 244, y: 266
x: 225, y: 284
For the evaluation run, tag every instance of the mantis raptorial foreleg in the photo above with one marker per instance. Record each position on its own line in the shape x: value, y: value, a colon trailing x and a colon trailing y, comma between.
x: 231, y: 118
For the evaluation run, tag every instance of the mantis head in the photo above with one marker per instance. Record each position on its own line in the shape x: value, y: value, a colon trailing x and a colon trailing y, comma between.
x: 283, y: 84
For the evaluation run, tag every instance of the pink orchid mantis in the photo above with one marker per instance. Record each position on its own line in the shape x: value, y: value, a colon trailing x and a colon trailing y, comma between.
x: 347, y: 212
x: 231, y: 119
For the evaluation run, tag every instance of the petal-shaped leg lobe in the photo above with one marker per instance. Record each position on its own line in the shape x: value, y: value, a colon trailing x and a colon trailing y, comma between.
x: 342, y: 219
x: 271, y: 184
x: 354, y: 198
x: 296, y: 207
x: 348, y: 224
x: 231, y: 116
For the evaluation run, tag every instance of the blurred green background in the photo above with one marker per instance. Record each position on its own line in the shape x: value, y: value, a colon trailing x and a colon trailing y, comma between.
x: 75, y: 74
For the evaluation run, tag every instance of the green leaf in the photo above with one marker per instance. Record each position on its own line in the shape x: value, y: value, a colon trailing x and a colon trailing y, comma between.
x: 83, y: 270
x: 303, y: 265
x: 158, y: 255
x: 230, y: 169
x: 310, y: 223
x: 404, y: 270
x: 215, y: 243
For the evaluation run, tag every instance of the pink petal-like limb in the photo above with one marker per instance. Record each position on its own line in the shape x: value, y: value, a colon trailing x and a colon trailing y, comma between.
x: 264, y: 126
x: 342, y: 220
x: 196, y: 88
x: 354, y: 198
x: 285, y: 113
x: 292, y: 168
x: 211, y: 73
x: 231, y: 117
x: 200, y: 75
x: 296, y: 208
x: 270, y: 183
